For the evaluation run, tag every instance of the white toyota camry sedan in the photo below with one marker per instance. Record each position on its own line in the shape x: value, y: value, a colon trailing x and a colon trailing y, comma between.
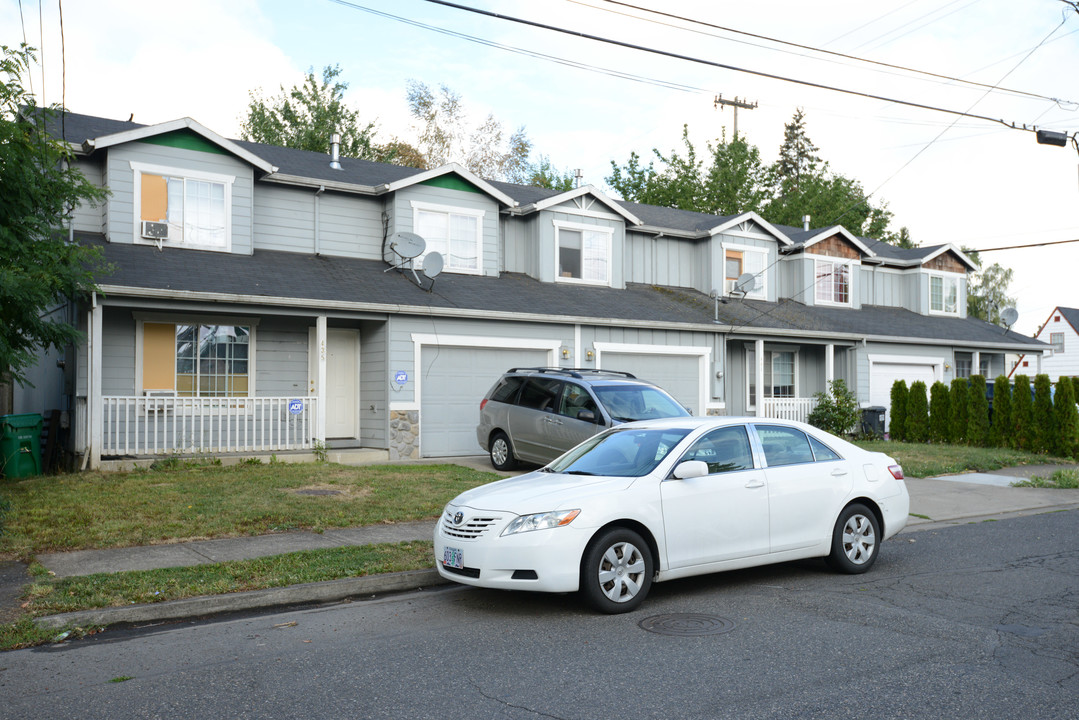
x: 663, y: 499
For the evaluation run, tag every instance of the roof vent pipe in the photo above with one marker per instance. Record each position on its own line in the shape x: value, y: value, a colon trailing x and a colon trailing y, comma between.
x: 335, y: 151
x: 805, y: 223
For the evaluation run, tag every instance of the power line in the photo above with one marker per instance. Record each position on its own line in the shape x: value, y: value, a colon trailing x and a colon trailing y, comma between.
x: 1031, y: 245
x: 723, y: 66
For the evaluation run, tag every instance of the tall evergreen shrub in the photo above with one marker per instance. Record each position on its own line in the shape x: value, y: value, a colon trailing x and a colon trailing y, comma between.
x: 1067, y: 420
x: 1000, y: 428
x: 977, y: 413
x: 940, y: 412
x: 897, y: 421
x: 1043, y: 435
x: 917, y: 429
x: 1022, y: 409
x: 960, y: 410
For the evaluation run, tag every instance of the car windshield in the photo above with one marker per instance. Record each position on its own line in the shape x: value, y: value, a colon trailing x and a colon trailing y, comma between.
x: 626, y: 403
x: 620, y: 453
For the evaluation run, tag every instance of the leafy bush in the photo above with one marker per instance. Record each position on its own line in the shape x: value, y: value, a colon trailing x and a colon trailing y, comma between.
x: 837, y: 410
x: 977, y: 413
x: 1067, y: 421
x: 897, y: 422
x: 917, y: 429
x: 1022, y: 408
x: 960, y: 411
x: 940, y: 412
x: 1000, y: 419
x: 1043, y: 431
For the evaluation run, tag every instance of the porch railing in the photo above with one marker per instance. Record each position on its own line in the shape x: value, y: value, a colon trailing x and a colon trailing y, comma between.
x: 187, y: 425
x: 789, y: 408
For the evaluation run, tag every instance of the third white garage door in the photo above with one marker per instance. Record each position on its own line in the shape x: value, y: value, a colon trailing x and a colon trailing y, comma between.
x: 883, y: 374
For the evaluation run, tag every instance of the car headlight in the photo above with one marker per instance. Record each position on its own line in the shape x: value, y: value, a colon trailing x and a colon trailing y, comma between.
x: 541, y: 521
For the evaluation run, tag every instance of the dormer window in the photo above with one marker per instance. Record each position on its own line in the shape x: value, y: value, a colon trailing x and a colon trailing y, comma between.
x: 832, y: 281
x: 456, y: 233
x: 738, y: 260
x: 182, y: 207
x: 583, y: 253
x: 944, y: 294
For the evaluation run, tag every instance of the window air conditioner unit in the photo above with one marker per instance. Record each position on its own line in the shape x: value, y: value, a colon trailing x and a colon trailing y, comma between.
x: 155, y: 230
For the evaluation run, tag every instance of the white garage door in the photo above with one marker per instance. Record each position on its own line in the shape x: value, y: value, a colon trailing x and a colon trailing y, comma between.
x: 454, y: 381
x: 680, y: 375
x: 882, y: 375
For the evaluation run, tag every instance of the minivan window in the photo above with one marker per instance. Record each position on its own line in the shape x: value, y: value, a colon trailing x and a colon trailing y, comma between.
x: 506, y: 390
x: 540, y: 394
x: 637, y: 402
x: 575, y: 399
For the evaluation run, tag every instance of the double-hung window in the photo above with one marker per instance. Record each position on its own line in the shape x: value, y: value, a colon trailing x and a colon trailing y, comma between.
x: 832, y: 281
x: 739, y: 260
x: 583, y: 253
x: 1057, y: 341
x: 780, y: 369
x: 197, y: 360
x: 456, y: 233
x: 944, y: 294
x: 182, y: 207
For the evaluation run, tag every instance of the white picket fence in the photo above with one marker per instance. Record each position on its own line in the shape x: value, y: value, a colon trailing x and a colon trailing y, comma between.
x: 789, y: 408
x: 189, y: 425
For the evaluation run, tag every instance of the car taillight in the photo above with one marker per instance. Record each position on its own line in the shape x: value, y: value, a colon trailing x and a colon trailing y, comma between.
x: 483, y: 403
x: 896, y: 471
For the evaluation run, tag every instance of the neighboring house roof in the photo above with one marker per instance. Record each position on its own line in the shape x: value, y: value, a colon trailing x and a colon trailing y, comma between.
x: 285, y: 279
x: 1071, y: 315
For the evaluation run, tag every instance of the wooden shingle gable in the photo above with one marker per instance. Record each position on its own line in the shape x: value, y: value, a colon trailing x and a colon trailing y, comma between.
x: 947, y: 262
x: 837, y: 246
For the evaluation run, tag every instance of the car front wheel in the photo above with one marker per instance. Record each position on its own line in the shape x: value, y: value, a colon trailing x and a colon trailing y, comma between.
x: 855, y: 540
x: 502, y: 453
x: 616, y: 571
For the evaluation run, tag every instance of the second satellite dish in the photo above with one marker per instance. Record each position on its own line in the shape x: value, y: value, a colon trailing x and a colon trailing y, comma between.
x: 432, y: 264
x: 1009, y: 315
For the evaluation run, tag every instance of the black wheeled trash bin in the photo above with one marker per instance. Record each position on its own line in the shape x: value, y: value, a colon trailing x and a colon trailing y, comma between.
x: 873, y: 421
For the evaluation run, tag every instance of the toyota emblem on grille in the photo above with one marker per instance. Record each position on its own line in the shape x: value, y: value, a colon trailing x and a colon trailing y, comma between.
x: 458, y: 517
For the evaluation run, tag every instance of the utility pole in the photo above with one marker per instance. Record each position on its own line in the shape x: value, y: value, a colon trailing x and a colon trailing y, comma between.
x: 736, y: 103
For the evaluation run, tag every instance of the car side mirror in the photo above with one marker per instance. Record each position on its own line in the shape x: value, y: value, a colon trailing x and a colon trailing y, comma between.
x: 586, y: 415
x: 691, y: 469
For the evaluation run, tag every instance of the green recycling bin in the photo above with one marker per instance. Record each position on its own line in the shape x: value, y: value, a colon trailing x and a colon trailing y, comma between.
x: 20, y: 445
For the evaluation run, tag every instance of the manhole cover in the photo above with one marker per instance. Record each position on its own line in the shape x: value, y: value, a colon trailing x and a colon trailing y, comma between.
x: 687, y: 624
x: 318, y: 492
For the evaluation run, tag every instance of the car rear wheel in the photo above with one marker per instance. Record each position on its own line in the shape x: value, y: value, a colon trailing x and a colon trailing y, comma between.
x: 855, y: 540
x: 502, y: 452
x: 616, y: 571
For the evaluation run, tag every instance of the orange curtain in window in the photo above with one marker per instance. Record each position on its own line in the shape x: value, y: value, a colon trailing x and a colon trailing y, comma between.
x: 158, y: 356
x: 155, y: 198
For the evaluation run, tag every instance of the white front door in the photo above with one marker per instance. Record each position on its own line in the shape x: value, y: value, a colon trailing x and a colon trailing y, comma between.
x: 342, y: 383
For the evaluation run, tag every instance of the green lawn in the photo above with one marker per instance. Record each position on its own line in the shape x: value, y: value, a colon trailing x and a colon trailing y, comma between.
x: 925, y: 460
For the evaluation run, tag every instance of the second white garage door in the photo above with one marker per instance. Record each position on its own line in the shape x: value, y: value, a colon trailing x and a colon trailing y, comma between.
x: 882, y: 375
x: 680, y: 375
x: 454, y: 381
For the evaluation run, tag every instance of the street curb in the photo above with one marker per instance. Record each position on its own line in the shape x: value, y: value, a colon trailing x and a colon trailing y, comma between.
x: 329, y: 591
x: 916, y: 524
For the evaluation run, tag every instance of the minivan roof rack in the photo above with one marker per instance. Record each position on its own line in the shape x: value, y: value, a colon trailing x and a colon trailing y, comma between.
x: 574, y: 372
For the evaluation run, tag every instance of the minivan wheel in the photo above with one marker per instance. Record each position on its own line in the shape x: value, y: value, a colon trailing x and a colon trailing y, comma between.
x: 501, y: 452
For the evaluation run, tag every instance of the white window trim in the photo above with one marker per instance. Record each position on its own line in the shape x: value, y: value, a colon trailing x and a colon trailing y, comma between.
x: 560, y: 225
x: 850, y: 278
x: 957, y: 277
x: 139, y: 168
x: 761, y: 293
x: 142, y: 318
x: 419, y: 206
x: 751, y: 371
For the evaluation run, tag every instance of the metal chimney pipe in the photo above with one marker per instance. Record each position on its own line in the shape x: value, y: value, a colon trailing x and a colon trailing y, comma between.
x: 805, y: 223
x: 335, y: 151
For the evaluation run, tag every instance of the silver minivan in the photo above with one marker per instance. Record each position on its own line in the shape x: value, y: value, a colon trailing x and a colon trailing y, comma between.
x: 536, y: 414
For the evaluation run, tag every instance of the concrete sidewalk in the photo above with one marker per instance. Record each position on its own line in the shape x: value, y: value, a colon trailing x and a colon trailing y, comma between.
x: 935, y: 502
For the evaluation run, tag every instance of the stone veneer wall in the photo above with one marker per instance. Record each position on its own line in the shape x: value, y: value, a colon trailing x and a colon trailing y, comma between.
x: 404, y: 434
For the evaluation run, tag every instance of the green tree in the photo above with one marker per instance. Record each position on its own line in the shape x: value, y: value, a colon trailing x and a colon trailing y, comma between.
x: 987, y: 290
x: 1000, y: 427
x: 917, y: 429
x: 960, y: 411
x: 1022, y: 414
x: 897, y: 419
x: 39, y: 186
x: 900, y: 239
x: 445, y: 136
x: 1043, y: 425
x: 307, y: 115
x: 977, y: 413
x: 545, y: 175
x: 836, y: 411
x: 1067, y: 420
x: 940, y: 412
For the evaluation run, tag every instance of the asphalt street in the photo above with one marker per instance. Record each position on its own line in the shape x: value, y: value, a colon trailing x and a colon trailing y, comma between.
x: 973, y: 620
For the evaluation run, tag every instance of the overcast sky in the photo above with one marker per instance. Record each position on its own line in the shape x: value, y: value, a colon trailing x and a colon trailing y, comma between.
x: 948, y: 178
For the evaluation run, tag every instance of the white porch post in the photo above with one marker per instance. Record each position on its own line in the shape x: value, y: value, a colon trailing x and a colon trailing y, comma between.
x: 829, y: 365
x: 320, y: 343
x: 758, y: 353
x: 976, y: 363
x: 1038, y: 364
x: 94, y: 404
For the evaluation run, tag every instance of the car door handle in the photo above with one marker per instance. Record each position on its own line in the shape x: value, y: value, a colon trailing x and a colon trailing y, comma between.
x: 839, y: 472
x: 753, y: 484
x: 553, y: 421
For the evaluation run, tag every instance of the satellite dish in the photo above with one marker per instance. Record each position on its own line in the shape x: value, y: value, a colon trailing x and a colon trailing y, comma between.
x: 407, y: 245
x: 432, y: 264
x: 746, y: 283
x: 1009, y: 315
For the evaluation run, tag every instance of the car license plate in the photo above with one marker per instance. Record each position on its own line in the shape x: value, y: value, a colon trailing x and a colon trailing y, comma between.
x: 453, y: 557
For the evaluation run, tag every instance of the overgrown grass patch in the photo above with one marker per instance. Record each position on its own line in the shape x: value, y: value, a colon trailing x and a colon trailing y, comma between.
x: 1061, y: 479
x: 927, y: 460
x: 185, y: 502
